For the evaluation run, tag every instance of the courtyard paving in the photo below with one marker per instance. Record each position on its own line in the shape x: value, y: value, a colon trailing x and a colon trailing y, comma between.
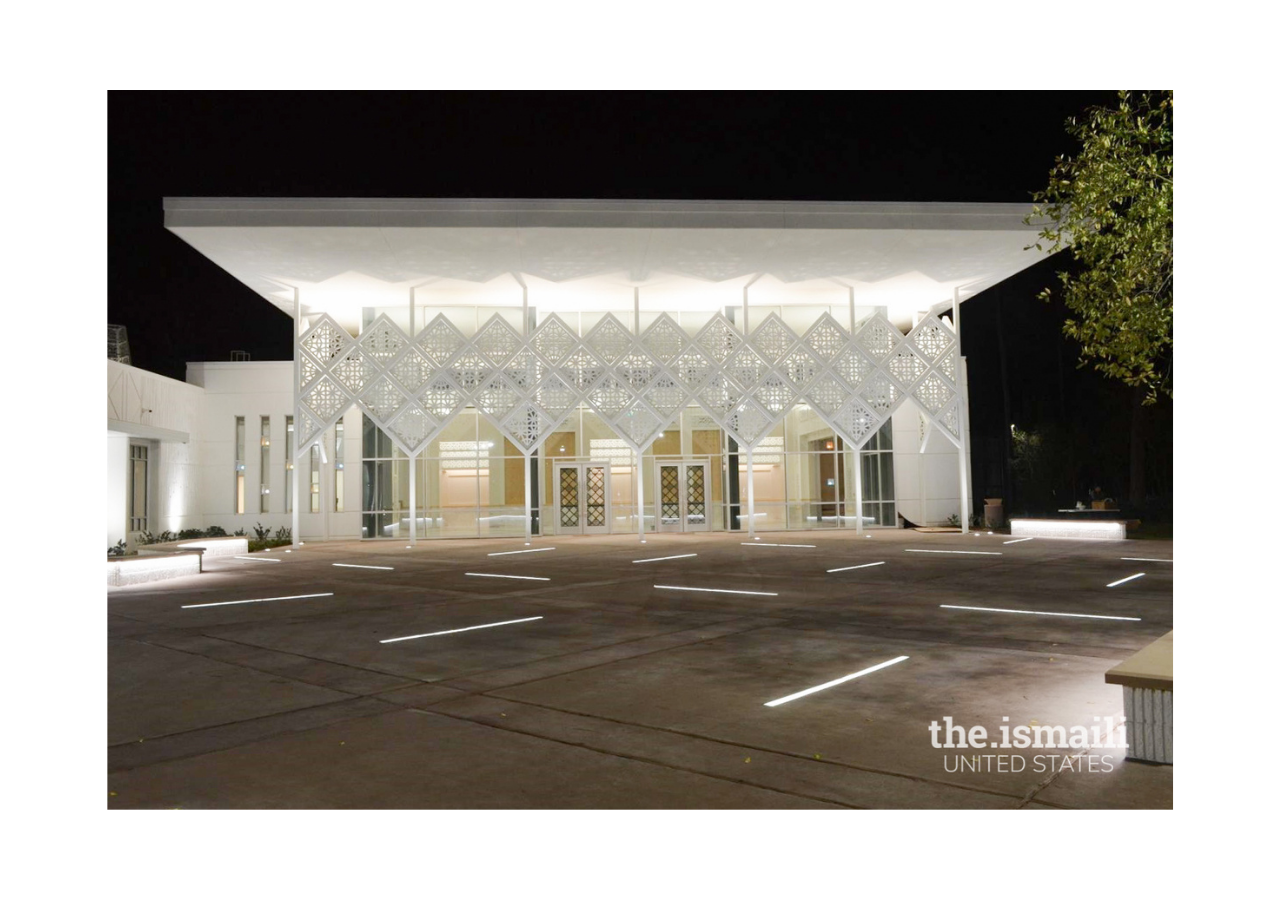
x: 617, y: 693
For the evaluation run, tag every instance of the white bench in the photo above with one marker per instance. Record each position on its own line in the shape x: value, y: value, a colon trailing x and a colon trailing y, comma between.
x: 1067, y: 528
x: 1147, y: 679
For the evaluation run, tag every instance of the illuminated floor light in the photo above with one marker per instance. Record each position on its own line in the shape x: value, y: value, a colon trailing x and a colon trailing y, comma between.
x: 965, y: 552
x: 851, y: 568
x: 257, y: 559
x: 661, y: 558
x: 822, y: 687
x: 411, y: 637
x: 1033, y: 612
x: 1144, y: 559
x: 1123, y: 580
x: 354, y: 566
x: 672, y: 587
x: 261, y: 600
x: 778, y: 545
x: 517, y: 577
x: 536, y: 550
x: 1019, y: 540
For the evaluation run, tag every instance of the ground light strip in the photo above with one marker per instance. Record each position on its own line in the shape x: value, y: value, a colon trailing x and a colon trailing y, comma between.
x: 536, y: 550
x: 851, y: 568
x: 517, y: 577
x: 411, y: 637
x: 822, y: 687
x: 1019, y: 540
x: 258, y: 559
x: 661, y: 558
x: 1033, y: 612
x: 1123, y: 580
x: 965, y: 552
x: 355, y: 566
x: 672, y: 587
x: 745, y: 544
x: 1144, y: 559
x: 261, y: 600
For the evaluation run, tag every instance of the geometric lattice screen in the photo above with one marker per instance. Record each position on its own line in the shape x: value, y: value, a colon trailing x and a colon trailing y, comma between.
x: 412, y: 388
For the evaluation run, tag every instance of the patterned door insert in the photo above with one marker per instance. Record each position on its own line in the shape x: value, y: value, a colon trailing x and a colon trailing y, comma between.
x: 670, y: 488
x: 569, y: 497
x: 696, y: 497
x: 595, y: 497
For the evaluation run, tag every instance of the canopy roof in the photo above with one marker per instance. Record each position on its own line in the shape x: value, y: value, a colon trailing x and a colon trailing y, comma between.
x: 590, y: 255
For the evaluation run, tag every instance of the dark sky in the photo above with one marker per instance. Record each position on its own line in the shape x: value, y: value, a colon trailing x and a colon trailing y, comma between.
x: 757, y: 146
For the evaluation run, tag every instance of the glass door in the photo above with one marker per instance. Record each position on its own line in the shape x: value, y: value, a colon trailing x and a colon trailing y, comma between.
x: 682, y: 497
x: 582, y: 498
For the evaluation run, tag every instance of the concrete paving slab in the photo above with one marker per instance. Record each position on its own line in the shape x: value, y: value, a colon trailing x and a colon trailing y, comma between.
x: 154, y: 691
x: 412, y: 759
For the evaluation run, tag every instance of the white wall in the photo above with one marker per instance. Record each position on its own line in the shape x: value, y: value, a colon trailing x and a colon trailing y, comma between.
x: 927, y: 485
x: 117, y: 487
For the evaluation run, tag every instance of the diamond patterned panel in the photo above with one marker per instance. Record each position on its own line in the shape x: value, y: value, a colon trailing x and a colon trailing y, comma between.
x: 609, y: 339
x: 931, y: 338
x: 308, y: 370
x: 581, y: 369
x: 326, y: 399
x: 412, y: 428
x: 382, y: 340
x: 692, y: 368
x: 412, y: 370
x: 354, y: 372
x: 497, y: 340
x: 747, y: 367
x: 383, y: 398
x: 951, y: 418
x: 664, y: 339
x: 826, y: 338
x: 665, y: 395
x: 774, y: 394
x: 638, y: 368
x: 326, y: 341
x: 609, y: 397
x: 554, y: 396
x: 827, y: 393
x: 718, y: 339
x: 441, y: 398
x: 526, y: 425
x: 719, y: 396
x: 553, y: 340
x: 933, y: 393
x: 880, y: 394
x: 749, y: 423
x: 639, y: 424
x: 569, y: 497
x: 853, y: 366
x: 856, y: 422
x: 879, y: 338
x: 524, y: 370
x: 469, y: 370
x: 440, y: 340
x: 799, y: 367
x: 498, y: 397
x: 772, y: 339
x: 906, y: 366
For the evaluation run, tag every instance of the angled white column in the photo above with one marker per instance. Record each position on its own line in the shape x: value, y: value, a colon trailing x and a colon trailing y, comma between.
x: 297, y: 417
x: 640, y: 491
x: 857, y: 488
x: 751, y: 495
x: 528, y: 500
x: 413, y: 500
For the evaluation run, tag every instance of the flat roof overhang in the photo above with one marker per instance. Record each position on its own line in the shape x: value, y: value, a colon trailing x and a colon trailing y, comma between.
x: 591, y: 255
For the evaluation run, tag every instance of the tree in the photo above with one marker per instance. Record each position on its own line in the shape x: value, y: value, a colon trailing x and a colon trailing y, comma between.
x: 1112, y: 205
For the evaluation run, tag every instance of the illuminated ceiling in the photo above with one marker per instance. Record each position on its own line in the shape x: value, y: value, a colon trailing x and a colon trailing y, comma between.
x: 587, y: 255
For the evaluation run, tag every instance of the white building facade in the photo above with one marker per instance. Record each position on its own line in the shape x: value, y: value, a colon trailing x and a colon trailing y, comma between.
x: 532, y: 368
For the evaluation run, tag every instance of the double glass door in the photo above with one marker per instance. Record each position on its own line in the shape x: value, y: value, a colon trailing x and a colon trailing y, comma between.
x: 582, y: 498
x: 682, y: 496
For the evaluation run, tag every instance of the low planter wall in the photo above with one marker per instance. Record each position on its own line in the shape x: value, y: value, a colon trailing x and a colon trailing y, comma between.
x: 211, y: 547
x: 1066, y: 528
x: 142, y: 569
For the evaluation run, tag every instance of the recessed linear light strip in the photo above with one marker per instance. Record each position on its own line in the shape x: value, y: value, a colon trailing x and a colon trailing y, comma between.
x: 822, y: 687
x: 745, y: 544
x: 851, y: 568
x: 258, y: 559
x: 354, y: 566
x: 1144, y: 559
x: 517, y: 577
x: 965, y: 552
x: 535, y: 550
x: 672, y: 587
x: 1123, y: 580
x: 410, y: 637
x: 1020, y: 540
x: 1033, y: 612
x: 661, y: 558
x: 261, y: 600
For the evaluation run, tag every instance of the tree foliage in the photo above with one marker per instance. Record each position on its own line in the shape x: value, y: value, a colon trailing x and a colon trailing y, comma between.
x: 1112, y: 205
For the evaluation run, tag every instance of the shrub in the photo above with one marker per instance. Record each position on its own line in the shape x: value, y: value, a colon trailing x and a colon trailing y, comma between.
x: 260, y: 532
x: 188, y: 533
x: 117, y: 550
x: 284, y: 534
x: 215, y: 531
x: 239, y: 532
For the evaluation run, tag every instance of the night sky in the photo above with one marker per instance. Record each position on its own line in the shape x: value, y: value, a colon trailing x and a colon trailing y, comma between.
x: 970, y: 147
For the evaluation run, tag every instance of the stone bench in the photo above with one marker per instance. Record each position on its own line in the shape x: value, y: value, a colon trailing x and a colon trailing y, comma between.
x: 1147, y: 679
x: 126, y: 570
x: 211, y: 546
x: 1108, y: 530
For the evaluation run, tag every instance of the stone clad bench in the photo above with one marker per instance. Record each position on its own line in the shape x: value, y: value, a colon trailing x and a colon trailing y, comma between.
x: 1147, y: 679
x: 1094, y: 530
